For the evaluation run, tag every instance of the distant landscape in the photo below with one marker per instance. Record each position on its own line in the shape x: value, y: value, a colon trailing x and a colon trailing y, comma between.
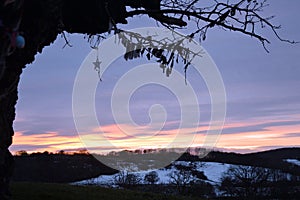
x: 265, y: 175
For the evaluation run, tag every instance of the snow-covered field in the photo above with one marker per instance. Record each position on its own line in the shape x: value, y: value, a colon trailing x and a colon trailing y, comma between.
x: 213, y: 171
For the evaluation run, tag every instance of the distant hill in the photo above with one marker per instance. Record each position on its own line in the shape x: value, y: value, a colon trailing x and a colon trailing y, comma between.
x: 58, y: 168
x: 270, y: 159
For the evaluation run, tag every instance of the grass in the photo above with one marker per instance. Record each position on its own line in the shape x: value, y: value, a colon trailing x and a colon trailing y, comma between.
x: 47, y: 191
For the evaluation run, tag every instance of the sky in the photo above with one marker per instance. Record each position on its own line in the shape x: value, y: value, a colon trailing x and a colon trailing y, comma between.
x: 262, y: 89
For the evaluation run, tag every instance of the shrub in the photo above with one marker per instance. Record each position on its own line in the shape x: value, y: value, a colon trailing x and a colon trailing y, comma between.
x: 151, y: 177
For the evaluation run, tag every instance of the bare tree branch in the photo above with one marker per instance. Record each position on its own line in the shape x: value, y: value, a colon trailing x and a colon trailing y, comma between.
x: 243, y: 16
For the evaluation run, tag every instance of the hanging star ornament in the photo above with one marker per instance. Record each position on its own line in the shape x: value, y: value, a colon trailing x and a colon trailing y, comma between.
x: 97, y: 67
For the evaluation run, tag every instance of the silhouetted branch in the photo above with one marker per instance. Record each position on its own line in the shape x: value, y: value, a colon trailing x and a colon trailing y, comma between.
x: 67, y: 43
x: 243, y: 16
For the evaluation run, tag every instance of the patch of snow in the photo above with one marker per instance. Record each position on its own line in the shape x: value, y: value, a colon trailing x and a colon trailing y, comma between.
x: 293, y: 161
x: 183, y: 163
x: 101, y: 180
x: 214, y: 171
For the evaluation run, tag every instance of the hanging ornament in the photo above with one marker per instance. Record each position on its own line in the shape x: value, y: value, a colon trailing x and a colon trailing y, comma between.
x: 97, y: 65
x: 168, y: 71
x: 20, y: 42
x: 163, y: 67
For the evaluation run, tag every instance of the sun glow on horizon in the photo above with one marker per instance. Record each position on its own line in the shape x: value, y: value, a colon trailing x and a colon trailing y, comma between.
x: 112, y: 138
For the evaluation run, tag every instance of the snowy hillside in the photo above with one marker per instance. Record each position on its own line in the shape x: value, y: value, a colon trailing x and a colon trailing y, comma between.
x: 213, y: 171
x: 205, y: 179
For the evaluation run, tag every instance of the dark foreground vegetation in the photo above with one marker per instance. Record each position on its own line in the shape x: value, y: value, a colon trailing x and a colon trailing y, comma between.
x: 47, y: 191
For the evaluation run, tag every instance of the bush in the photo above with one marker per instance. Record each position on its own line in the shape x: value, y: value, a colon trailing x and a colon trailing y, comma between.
x: 125, y: 178
x: 151, y: 177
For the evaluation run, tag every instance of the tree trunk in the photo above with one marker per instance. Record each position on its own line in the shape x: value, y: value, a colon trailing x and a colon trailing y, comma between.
x: 8, y: 100
x: 39, y: 22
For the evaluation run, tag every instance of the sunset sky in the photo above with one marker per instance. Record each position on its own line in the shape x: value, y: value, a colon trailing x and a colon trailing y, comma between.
x: 263, y: 93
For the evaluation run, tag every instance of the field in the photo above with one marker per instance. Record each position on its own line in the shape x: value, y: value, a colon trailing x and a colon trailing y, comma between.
x: 46, y: 191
